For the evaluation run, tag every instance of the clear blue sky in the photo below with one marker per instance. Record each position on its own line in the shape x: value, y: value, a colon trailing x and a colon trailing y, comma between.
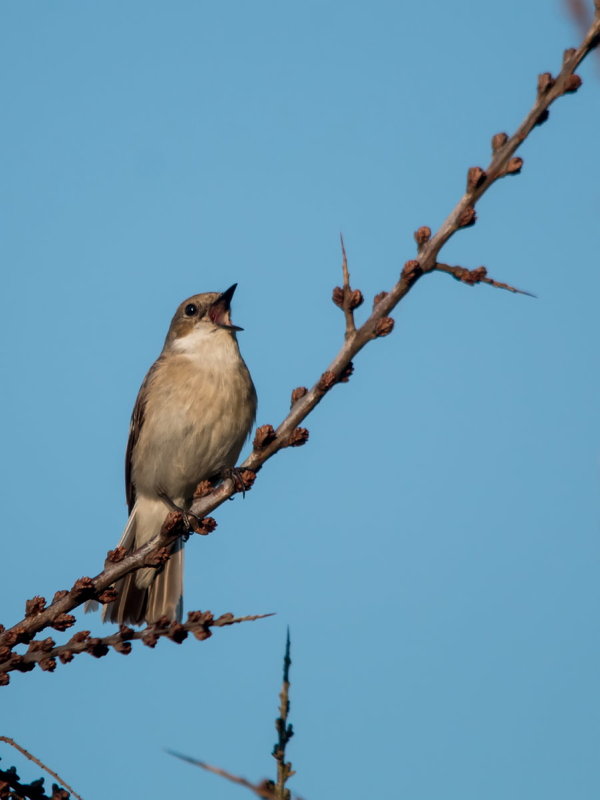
x: 434, y: 548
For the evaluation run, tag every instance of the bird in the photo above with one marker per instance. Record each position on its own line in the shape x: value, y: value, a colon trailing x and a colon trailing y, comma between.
x: 194, y: 411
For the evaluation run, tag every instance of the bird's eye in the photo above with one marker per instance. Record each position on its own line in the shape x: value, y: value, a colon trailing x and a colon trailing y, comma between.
x: 190, y: 309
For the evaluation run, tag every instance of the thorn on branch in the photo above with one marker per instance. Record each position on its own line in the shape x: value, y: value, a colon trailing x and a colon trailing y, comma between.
x: 297, y: 393
x: 498, y: 141
x: 475, y: 177
x: 422, y: 236
x: 263, y: 437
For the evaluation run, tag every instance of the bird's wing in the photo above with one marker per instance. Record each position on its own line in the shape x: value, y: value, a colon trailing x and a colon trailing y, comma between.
x: 135, y: 426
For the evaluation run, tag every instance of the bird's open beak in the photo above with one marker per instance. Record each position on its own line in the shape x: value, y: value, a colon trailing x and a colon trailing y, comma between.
x: 219, y: 311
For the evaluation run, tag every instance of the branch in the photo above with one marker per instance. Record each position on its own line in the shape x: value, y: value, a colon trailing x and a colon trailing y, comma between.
x: 284, y: 730
x: 269, y: 441
x: 45, y: 652
x: 345, y: 297
x: 263, y: 789
x: 266, y: 789
x: 479, y: 275
x: 35, y: 788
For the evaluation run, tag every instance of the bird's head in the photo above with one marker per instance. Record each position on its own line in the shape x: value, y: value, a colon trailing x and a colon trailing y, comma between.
x: 202, y: 316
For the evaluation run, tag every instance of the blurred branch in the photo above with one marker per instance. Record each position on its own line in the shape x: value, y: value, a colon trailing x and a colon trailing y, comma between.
x: 580, y: 13
x: 9, y: 780
x: 284, y: 731
x: 266, y: 789
x: 269, y: 441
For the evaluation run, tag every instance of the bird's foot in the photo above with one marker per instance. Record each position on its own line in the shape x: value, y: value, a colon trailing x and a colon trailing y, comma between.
x: 235, y: 473
x: 191, y: 521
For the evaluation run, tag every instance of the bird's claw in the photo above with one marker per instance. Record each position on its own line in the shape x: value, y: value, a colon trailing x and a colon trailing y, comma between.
x: 235, y: 473
x: 191, y: 521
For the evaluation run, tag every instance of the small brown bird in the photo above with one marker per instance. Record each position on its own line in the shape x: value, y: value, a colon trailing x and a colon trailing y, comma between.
x: 194, y: 410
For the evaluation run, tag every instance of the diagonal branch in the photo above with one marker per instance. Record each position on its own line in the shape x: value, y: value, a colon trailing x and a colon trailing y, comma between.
x: 40, y: 764
x: 269, y: 441
x: 479, y: 275
x: 263, y: 790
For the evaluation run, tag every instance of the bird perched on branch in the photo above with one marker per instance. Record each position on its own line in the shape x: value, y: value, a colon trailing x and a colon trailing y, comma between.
x: 194, y: 410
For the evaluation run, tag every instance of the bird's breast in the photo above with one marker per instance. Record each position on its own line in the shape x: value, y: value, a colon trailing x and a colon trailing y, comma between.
x: 197, y: 415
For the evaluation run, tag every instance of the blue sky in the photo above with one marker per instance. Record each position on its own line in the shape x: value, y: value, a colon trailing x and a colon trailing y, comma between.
x: 434, y: 548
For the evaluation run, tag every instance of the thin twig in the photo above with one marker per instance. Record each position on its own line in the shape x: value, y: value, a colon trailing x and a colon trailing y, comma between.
x: 40, y: 764
x: 44, y: 653
x: 284, y: 730
x: 479, y: 275
x: 262, y: 790
x: 349, y: 301
x: 378, y: 324
x: 266, y: 789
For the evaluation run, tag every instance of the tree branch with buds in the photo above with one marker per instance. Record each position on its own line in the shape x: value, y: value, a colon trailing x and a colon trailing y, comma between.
x: 268, y: 440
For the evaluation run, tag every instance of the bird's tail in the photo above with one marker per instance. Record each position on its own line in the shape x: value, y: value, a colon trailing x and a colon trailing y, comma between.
x: 147, y: 595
